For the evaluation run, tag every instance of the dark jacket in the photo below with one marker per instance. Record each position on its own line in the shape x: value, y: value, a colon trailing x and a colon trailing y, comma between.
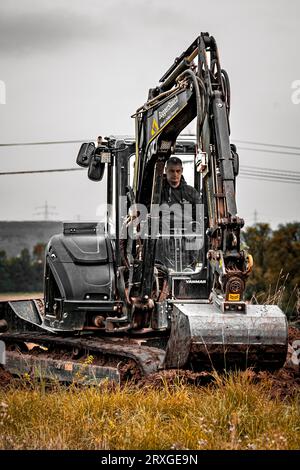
x: 170, y: 219
x: 180, y: 195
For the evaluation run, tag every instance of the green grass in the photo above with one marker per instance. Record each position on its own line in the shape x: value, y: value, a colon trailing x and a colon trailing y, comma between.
x: 231, y: 413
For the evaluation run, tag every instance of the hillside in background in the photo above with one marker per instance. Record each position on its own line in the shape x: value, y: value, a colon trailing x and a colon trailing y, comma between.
x: 15, y: 236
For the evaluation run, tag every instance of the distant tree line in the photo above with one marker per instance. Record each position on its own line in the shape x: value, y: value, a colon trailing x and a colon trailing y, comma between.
x: 275, y: 277
x: 23, y: 273
x: 276, y: 272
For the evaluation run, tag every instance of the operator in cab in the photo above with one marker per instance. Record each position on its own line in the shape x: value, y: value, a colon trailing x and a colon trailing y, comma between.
x: 175, y: 190
x: 179, y: 203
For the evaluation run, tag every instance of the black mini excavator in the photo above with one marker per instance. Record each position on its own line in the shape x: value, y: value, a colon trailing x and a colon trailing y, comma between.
x: 137, y: 297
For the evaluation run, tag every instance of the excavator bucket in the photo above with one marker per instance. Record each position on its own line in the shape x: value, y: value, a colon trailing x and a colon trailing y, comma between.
x: 203, y: 336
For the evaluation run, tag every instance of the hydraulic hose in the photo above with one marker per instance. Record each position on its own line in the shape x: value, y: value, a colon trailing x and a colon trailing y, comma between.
x: 201, y: 108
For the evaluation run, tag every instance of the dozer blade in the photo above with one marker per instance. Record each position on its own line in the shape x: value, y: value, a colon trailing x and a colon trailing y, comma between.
x: 202, y: 335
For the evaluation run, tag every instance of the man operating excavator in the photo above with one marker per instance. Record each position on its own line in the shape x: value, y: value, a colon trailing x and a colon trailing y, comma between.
x: 180, y: 204
x: 175, y: 189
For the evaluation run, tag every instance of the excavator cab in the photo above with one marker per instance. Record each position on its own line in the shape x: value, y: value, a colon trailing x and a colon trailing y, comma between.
x: 181, y: 249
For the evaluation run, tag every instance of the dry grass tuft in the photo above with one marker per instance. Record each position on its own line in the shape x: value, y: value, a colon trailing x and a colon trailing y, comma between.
x: 231, y: 412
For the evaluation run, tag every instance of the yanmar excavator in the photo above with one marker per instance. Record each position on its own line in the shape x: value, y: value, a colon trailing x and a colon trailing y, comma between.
x: 133, y: 297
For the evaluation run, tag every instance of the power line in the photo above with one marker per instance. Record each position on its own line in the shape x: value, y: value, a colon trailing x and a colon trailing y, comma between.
x: 277, y: 152
x: 271, y: 174
x: 273, y: 170
x: 46, y: 211
x: 268, y: 178
x: 78, y: 141
x: 54, y: 142
x: 258, y: 173
x: 266, y: 145
x: 32, y: 172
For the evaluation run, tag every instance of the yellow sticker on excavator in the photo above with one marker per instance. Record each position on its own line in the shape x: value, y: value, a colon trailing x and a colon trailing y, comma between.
x: 154, y: 127
x: 235, y: 297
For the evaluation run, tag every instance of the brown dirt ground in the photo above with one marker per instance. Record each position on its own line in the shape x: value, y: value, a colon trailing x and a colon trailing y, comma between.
x: 34, y: 295
x: 294, y: 333
x: 5, y: 378
x: 281, y: 383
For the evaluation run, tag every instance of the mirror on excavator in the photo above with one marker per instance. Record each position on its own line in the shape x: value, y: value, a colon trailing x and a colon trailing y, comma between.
x: 85, y: 152
x: 94, y: 158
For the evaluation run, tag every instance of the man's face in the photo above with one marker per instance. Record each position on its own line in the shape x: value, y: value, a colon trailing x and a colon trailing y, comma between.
x: 174, y: 173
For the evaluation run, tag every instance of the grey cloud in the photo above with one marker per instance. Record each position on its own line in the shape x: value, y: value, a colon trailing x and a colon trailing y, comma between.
x: 30, y: 27
x: 28, y: 32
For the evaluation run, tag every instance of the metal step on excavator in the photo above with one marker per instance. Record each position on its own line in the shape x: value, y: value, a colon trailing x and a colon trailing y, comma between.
x: 158, y: 283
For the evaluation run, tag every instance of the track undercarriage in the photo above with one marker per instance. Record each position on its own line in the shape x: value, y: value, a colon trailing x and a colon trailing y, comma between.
x: 200, y: 338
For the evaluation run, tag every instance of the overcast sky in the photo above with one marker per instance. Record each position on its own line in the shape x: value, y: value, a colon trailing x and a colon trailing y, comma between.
x: 74, y: 69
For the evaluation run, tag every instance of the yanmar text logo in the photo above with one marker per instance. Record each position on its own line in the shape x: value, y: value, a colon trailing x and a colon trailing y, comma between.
x: 196, y: 281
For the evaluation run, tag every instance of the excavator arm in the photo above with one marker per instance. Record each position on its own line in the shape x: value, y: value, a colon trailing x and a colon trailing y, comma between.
x: 195, y: 86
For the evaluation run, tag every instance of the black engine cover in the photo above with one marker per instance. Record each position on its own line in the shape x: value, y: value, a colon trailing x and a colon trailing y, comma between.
x: 79, y: 267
